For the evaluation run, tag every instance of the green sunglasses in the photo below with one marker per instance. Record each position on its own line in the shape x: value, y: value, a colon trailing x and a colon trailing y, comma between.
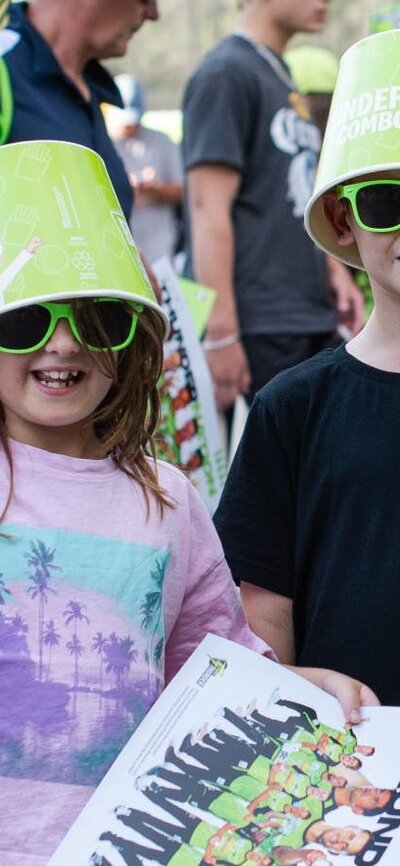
x: 99, y: 324
x: 375, y: 204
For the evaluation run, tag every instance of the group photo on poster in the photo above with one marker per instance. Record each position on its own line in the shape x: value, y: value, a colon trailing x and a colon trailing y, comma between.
x: 248, y: 776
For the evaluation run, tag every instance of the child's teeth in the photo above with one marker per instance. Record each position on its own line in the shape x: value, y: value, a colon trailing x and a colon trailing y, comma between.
x: 60, y: 374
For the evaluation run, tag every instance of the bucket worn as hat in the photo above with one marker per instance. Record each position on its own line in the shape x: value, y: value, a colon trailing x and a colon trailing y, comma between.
x: 62, y: 231
x: 363, y: 130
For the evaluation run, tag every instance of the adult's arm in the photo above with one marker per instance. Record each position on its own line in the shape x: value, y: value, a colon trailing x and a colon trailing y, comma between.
x: 211, y: 192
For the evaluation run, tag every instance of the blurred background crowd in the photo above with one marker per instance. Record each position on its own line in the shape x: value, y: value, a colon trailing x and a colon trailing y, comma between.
x: 163, y: 57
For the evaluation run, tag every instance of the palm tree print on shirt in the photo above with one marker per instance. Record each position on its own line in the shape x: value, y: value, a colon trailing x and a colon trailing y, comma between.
x: 119, y: 655
x: 98, y: 646
x: 87, y: 652
x: 73, y: 613
x: 3, y: 590
x: 40, y: 559
x: 51, y: 638
x: 151, y: 613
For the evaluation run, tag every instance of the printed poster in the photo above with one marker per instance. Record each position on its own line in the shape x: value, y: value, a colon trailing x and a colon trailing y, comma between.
x: 188, y: 434
x: 242, y: 762
x: 200, y: 301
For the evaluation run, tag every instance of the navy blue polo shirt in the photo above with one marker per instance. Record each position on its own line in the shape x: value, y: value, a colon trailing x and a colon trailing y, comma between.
x: 48, y: 105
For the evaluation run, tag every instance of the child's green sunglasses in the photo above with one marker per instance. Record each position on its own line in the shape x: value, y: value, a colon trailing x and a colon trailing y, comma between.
x: 375, y: 203
x: 99, y: 324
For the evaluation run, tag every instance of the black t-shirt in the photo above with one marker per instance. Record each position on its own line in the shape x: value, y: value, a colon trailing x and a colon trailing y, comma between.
x: 240, y: 113
x: 48, y: 105
x: 311, y: 510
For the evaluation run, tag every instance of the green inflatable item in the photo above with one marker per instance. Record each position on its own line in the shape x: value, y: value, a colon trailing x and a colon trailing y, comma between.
x: 313, y: 69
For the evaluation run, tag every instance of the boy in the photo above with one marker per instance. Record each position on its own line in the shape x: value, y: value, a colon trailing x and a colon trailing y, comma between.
x: 310, y: 514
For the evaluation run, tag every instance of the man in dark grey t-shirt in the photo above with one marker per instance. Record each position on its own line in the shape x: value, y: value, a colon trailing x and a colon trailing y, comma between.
x: 250, y: 152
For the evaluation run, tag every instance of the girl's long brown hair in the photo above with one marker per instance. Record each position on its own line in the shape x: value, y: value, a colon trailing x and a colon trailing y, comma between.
x: 126, y: 420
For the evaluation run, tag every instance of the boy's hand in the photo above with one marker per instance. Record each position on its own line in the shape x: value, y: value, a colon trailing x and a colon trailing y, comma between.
x: 351, y: 694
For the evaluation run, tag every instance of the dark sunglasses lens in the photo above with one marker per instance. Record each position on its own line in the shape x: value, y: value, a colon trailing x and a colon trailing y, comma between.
x: 108, y: 324
x: 24, y: 328
x: 379, y: 206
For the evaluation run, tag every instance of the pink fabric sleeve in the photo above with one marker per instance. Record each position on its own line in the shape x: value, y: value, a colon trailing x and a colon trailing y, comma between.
x: 211, y: 602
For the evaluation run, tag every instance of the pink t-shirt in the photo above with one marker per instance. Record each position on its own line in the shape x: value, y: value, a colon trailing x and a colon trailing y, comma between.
x: 99, y: 606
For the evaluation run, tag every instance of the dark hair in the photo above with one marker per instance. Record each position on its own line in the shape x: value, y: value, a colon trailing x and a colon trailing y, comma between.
x: 126, y: 420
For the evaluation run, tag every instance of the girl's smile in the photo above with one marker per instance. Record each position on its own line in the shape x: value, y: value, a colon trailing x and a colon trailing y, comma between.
x: 58, y: 380
x: 51, y: 394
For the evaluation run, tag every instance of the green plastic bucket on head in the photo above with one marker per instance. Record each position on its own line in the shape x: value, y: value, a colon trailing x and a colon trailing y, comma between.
x: 363, y: 130
x: 62, y: 231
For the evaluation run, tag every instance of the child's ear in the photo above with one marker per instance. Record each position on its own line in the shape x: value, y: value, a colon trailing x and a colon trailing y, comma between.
x: 337, y: 214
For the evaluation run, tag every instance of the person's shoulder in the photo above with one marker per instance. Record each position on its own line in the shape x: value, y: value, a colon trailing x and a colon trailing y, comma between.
x: 222, y: 59
x: 168, y: 472
x: 180, y: 488
x: 230, y: 46
x: 171, y: 478
x: 303, y: 378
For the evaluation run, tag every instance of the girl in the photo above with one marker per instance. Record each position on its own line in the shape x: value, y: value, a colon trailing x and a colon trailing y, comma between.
x: 111, y: 572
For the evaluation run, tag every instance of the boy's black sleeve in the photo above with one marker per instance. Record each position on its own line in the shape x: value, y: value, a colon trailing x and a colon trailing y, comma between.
x: 257, y: 512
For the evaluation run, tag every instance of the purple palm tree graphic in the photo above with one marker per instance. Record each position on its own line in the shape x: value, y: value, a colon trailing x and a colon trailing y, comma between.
x: 51, y: 638
x: 119, y: 654
x: 151, y: 612
x: 40, y: 559
x: 76, y: 649
x: 3, y: 590
x: 99, y: 643
x: 73, y: 613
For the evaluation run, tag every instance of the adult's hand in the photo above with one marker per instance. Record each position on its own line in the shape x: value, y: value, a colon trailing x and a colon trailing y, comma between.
x: 230, y: 374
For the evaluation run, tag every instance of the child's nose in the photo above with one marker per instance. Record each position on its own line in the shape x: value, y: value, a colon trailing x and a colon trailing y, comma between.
x: 62, y: 340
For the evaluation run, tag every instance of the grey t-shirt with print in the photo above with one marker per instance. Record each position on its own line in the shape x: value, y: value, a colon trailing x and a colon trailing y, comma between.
x: 239, y: 112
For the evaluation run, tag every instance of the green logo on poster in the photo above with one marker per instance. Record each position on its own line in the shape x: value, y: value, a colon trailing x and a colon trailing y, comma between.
x: 214, y: 667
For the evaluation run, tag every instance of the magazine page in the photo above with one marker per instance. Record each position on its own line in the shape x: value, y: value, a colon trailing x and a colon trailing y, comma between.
x: 243, y: 762
x: 188, y: 434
